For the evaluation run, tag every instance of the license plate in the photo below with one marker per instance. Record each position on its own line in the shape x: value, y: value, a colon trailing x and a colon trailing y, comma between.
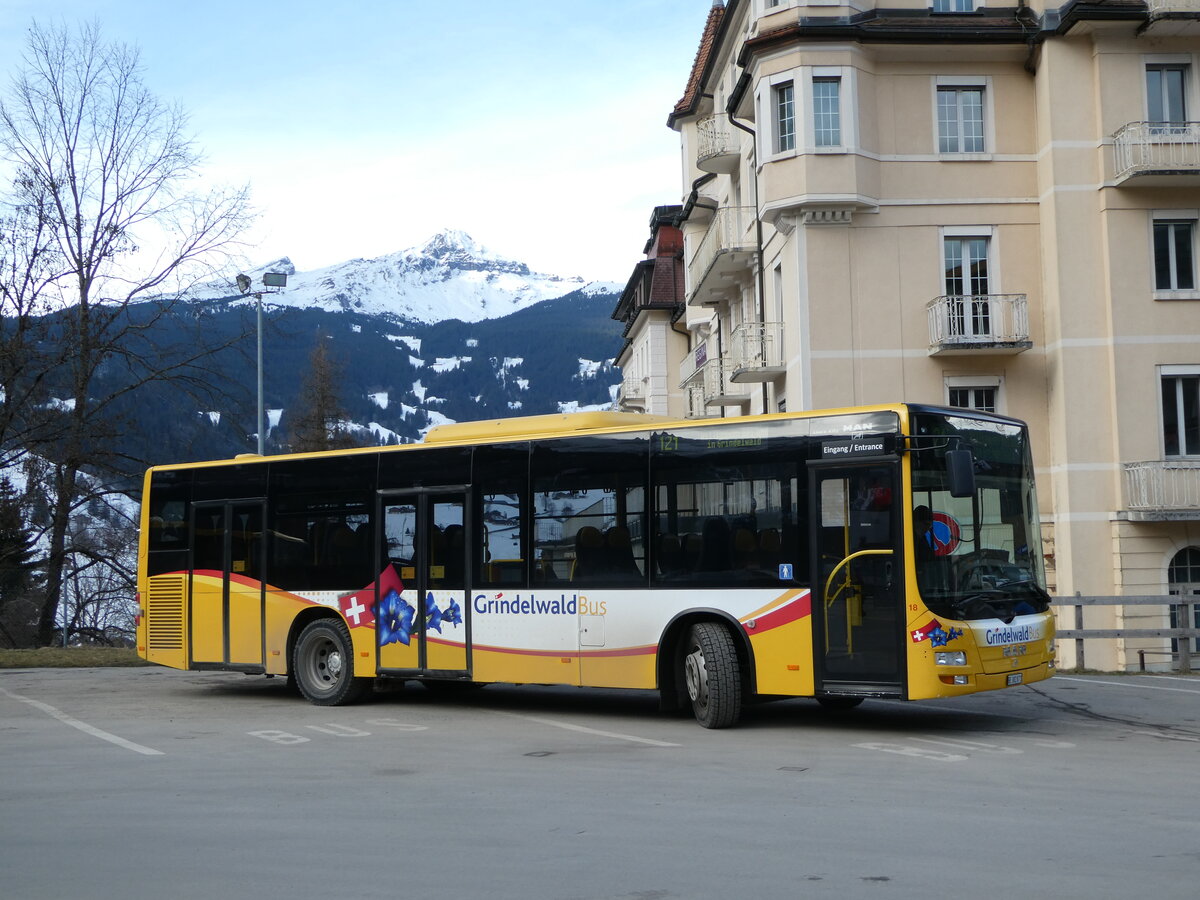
x: 1016, y: 678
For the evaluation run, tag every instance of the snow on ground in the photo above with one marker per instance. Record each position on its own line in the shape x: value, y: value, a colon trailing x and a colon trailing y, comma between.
x: 449, y: 363
x: 589, y: 368
x: 435, y: 419
x: 574, y: 406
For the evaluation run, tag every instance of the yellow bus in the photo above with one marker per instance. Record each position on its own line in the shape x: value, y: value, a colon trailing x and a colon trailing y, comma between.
x: 886, y: 551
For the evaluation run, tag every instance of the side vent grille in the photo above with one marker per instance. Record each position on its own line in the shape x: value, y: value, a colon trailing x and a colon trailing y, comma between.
x: 165, y: 607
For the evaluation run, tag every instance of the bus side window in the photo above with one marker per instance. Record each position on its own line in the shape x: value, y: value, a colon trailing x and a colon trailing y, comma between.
x: 589, y: 511
x: 500, y: 554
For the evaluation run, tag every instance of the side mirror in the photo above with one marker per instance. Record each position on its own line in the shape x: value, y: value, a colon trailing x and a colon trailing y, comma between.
x: 960, y: 473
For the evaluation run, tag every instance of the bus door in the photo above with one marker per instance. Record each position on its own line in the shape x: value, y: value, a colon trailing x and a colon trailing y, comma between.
x: 422, y: 614
x: 857, y: 585
x: 226, y: 599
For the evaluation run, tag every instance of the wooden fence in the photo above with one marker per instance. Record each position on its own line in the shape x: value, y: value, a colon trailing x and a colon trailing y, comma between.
x: 1185, y: 632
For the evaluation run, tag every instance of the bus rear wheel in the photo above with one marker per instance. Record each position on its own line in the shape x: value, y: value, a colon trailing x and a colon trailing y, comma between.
x: 323, y: 664
x: 712, y: 675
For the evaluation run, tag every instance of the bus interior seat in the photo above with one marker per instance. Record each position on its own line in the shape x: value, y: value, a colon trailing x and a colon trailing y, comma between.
x: 619, y: 561
x: 589, y: 552
x: 671, y: 559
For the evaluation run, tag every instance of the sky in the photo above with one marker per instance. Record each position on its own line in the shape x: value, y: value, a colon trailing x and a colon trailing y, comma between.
x: 363, y: 127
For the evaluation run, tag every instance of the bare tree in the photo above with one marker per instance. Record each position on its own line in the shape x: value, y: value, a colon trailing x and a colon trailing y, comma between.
x: 106, y: 213
x: 98, y: 594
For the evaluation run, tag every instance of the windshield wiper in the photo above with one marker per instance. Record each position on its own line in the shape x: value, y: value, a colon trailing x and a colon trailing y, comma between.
x: 1037, y: 590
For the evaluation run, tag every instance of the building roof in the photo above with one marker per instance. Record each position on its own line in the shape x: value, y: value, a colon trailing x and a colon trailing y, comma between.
x: 691, y: 95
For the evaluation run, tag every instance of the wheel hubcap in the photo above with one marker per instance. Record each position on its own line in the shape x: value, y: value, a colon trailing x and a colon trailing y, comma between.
x: 696, y: 676
x: 333, y: 663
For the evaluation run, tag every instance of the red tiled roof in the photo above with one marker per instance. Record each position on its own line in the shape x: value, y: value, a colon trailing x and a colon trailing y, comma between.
x: 691, y: 94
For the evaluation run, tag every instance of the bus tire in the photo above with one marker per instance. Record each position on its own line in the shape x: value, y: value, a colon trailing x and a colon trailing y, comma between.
x: 323, y: 663
x: 712, y: 675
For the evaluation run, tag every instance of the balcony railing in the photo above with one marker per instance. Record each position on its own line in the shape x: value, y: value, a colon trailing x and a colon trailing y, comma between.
x: 633, y: 390
x: 1157, y: 148
x: 691, y: 363
x: 978, y: 323
x: 717, y: 385
x: 723, y: 253
x: 757, y: 352
x: 716, y: 145
x: 1163, y: 490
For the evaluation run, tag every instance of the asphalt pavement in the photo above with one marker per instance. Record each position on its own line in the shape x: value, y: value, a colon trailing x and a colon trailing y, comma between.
x: 147, y: 782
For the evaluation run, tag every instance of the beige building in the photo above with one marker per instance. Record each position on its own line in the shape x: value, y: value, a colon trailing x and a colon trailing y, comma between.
x: 966, y: 202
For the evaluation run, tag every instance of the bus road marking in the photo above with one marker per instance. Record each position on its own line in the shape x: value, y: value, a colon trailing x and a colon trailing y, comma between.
x: 567, y: 726
x: 920, y: 752
x: 958, y: 744
x: 279, y: 737
x: 339, y: 730
x: 83, y: 726
x: 397, y: 724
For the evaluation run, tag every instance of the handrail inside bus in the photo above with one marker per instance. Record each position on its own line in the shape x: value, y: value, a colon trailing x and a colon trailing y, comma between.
x: 829, y: 602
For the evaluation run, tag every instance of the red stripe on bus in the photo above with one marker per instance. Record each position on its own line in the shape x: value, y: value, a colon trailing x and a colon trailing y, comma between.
x: 799, y: 608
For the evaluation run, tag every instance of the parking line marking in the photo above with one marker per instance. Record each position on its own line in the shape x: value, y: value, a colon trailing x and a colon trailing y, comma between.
x: 1148, y: 687
x: 83, y: 726
x: 611, y: 734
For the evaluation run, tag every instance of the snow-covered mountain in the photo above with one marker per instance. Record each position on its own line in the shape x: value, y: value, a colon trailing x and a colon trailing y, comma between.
x: 449, y: 277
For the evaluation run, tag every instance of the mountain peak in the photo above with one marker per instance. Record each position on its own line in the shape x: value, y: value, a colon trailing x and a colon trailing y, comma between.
x: 452, y: 242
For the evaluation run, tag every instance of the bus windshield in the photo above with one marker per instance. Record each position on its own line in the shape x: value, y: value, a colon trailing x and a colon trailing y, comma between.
x: 977, y: 556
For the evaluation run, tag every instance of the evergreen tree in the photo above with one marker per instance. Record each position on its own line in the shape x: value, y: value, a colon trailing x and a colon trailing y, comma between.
x: 16, y: 560
x: 320, y: 421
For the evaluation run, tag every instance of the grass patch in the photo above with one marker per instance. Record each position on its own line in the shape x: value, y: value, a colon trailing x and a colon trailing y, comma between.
x: 69, y: 658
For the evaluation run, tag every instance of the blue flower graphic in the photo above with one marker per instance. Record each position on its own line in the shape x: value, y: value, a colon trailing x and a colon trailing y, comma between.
x: 453, y: 615
x: 394, y: 619
x: 939, y: 637
x: 433, y: 615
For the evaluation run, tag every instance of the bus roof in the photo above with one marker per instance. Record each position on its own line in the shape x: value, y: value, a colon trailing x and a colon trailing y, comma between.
x: 557, y: 425
x: 525, y: 426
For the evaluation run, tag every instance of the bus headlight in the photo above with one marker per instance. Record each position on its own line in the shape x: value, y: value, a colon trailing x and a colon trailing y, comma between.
x: 950, y: 658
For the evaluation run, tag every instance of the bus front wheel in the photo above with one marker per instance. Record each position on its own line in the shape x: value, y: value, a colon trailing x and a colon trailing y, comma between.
x: 323, y: 664
x: 712, y: 675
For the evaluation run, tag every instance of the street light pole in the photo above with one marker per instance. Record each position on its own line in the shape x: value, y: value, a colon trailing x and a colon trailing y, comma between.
x: 262, y: 431
x: 275, y: 280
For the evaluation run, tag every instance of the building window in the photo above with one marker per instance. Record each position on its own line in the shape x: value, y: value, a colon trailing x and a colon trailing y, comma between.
x: 785, y: 117
x: 966, y: 283
x: 1181, y: 415
x: 1165, y: 93
x: 1174, y: 256
x: 982, y: 399
x: 1183, y: 578
x: 960, y: 119
x: 953, y: 6
x: 827, y: 111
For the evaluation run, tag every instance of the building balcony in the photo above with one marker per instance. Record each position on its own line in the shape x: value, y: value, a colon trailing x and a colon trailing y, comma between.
x: 757, y: 352
x: 709, y: 382
x: 717, y: 147
x: 633, y: 393
x: 978, y: 324
x: 1163, y: 490
x: 691, y: 362
x: 717, y: 385
x: 1170, y: 18
x: 1158, y: 153
x: 724, y: 255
